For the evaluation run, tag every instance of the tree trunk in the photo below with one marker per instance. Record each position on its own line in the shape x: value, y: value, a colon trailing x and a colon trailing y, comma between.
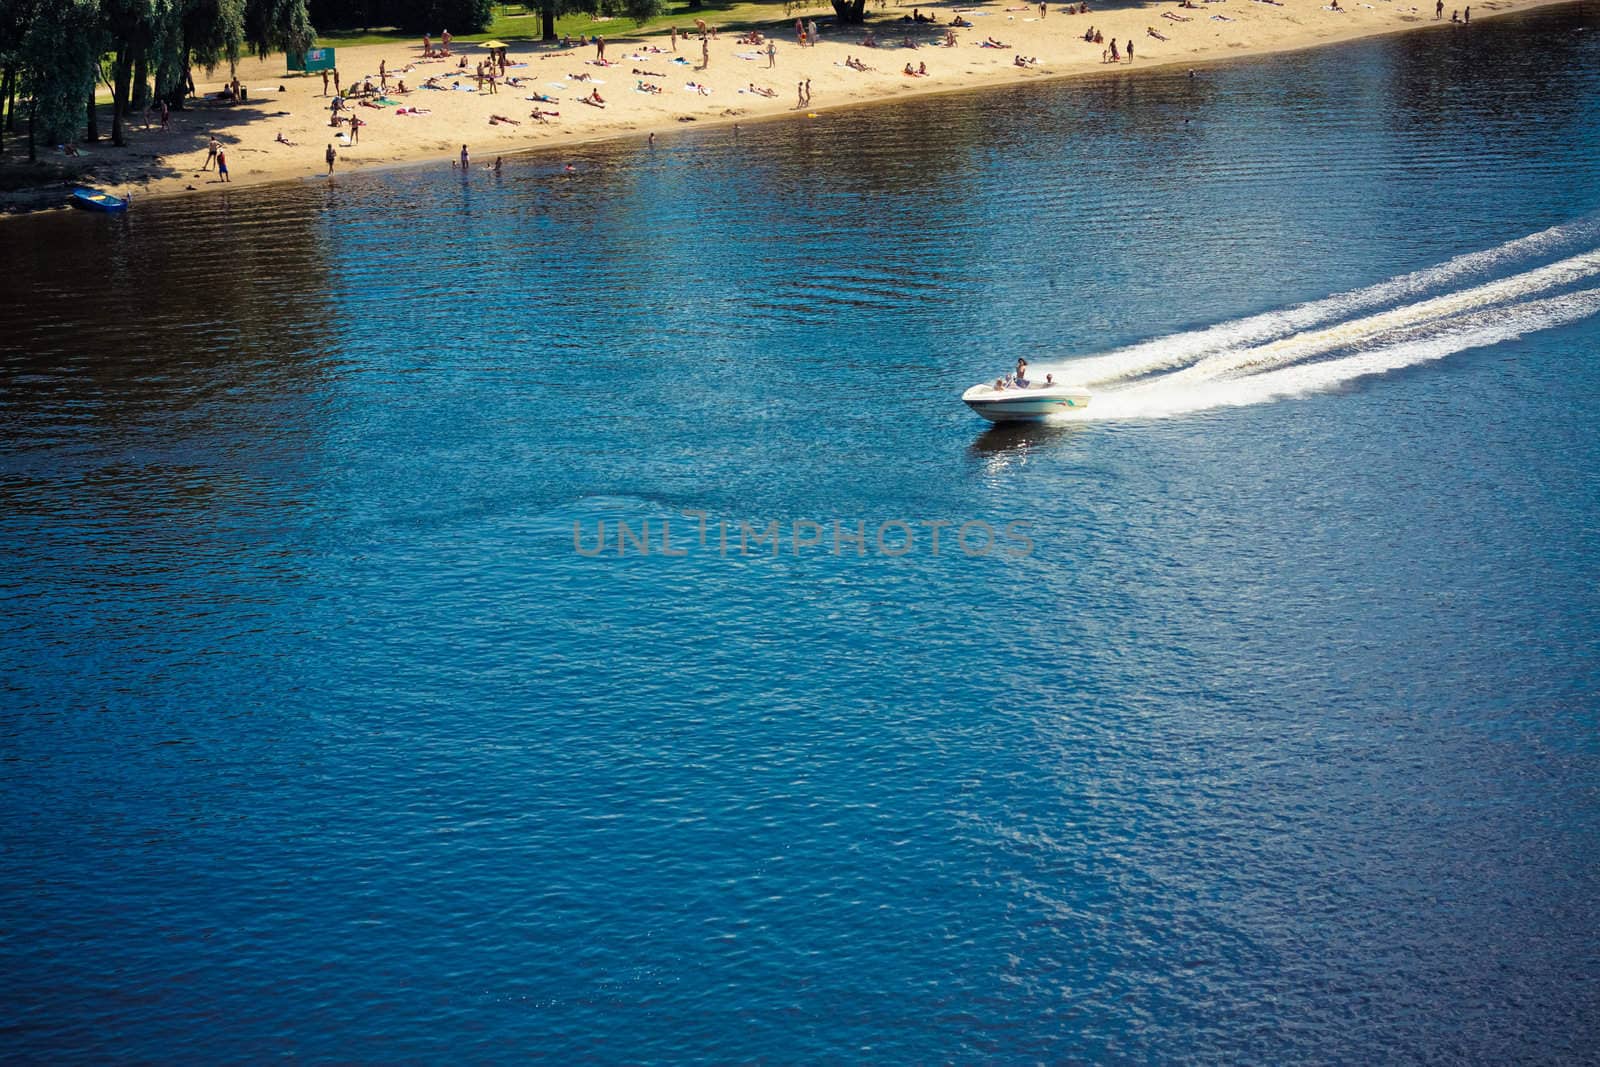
x: 5, y: 90
x: 11, y: 106
x: 91, y: 131
x: 853, y: 12
x: 547, y: 17
x: 141, y: 81
x: 122, y: 75
x: 33, y: 148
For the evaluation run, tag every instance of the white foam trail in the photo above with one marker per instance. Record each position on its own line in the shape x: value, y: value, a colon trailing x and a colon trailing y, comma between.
x: 1162, y: 353
x: 1364, y: 330
x: 1476, y: 329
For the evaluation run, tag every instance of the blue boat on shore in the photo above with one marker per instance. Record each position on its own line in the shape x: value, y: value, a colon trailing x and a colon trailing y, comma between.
x: 97, y: 200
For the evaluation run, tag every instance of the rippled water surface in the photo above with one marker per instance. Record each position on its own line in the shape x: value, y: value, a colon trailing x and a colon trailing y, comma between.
x: 1269, y: 736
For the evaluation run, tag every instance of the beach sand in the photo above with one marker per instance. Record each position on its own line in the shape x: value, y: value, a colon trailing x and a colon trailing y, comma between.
x: 163, y: 162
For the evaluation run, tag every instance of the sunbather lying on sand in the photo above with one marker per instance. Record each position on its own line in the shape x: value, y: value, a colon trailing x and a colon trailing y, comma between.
x: 545, y: 116
x: 645, y: 87
x: 761, y: 90
x: 1153, y: 32
x: 990, y: 42
x: 541, y: 98
x: 495, y: 120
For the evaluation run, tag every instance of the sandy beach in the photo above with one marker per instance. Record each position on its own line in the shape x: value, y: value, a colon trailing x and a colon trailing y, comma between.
x: 651, y: 84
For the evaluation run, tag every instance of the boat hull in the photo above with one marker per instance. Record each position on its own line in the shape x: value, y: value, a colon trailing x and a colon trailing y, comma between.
x: 1023, y: 405
x: 95, y: 200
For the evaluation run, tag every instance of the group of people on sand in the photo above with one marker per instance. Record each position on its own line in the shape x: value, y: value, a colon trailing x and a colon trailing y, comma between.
x: 1018, y: 379
x: 920, y: 72
x: 1113, y: 54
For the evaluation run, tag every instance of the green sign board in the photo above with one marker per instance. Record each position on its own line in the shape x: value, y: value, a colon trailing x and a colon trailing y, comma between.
x: 311, y: 60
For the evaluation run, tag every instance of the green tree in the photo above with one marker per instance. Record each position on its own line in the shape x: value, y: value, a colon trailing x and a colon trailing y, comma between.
x: 432, y: 16
x: 277, y: 26
x: 48, y: 49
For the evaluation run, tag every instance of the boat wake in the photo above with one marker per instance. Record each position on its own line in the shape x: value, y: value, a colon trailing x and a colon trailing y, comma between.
x: 1409, y: 320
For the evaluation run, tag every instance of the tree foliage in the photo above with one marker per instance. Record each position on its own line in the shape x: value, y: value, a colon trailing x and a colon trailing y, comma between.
x: 413, y: 16
x: 54, y: 49
x: 50, y: 48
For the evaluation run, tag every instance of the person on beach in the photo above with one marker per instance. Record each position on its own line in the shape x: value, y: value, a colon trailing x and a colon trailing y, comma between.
x: 335, y: 81
x: 600, y: 47
x: 427, y: 46
x: 705, y: 53
x: 1116, y: 57
x: 211, y: 152
x: 1466, y: 20
x: 1438, y: 10
x: 444, y: 42
x: 324, y: 83
x: 772, y: 54
x: 674, y: 38
x: 222, y: 165
x: 465, y: 159
x: 330, y: 156
x: 1130, y: 50
x: 799, y: 33
x: 383, y: 75
x: 355, y: 129
x: 811, y: 33
x: 800, y: 94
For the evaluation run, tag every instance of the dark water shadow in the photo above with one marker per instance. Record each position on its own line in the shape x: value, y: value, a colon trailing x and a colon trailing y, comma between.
x: 1019, y: 437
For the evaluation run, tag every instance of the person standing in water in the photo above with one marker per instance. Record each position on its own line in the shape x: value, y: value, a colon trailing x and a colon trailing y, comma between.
x: 330, y: 156
x: 466, y: 160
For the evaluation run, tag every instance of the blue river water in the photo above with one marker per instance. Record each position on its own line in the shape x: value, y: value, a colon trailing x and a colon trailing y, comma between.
x: 1250, y: 717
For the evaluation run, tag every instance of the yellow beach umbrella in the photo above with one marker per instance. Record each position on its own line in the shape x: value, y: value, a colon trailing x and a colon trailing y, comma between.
x: 493, y: 44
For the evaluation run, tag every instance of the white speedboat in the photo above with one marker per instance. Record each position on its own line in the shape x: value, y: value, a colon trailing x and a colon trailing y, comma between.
x: 1024, y: 403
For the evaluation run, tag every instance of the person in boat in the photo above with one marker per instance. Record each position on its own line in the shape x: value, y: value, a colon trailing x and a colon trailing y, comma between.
x: 1022, y: 373
x: 1049, y: 380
